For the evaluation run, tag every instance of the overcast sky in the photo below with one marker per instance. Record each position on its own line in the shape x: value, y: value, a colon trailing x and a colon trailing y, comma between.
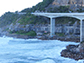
x: 16, y: 5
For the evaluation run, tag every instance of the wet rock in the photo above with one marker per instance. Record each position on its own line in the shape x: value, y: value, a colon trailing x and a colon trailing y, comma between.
x: 73, y: 51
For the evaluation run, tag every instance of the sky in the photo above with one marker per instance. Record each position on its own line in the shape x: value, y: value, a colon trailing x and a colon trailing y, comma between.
x: 16, y: 5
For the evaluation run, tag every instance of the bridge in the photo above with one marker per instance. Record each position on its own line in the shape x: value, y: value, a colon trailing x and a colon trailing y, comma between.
x: 52, y: 17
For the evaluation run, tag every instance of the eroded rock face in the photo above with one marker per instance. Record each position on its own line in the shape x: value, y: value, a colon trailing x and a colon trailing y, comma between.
x: 81, y: 47
x: 73, y: 51
x: 66, y: 2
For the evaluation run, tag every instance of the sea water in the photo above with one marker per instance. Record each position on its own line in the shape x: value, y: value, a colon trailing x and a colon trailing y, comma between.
x: 33, y: 51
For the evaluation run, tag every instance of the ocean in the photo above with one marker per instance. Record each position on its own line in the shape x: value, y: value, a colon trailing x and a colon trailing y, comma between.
x: 13, y: 50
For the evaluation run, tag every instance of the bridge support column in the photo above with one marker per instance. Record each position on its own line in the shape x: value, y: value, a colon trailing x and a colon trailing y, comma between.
x: 52, y: 27
x: 81, y: 30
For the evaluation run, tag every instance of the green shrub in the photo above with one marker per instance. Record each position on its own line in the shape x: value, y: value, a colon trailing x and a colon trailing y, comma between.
x: 31, y: 33
x: 60, y: 34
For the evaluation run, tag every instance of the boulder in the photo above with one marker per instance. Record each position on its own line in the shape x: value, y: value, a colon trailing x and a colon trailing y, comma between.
x: 73, y: 51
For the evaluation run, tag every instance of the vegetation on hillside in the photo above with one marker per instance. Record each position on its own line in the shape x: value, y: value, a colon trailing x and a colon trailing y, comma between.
x: 66, y: 20
x: 8, y: 18
x: 30, y: 33
x: 28, y: 18
x: 40, y: 6
x: 31, y: 19
x: 60, y: 9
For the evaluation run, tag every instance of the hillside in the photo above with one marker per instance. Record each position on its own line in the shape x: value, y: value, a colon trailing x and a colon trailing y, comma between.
x: 10, y: 17
x: 45, y: 6
x: 68, y: 2
x: 28, y: 26
x: 15, y: 22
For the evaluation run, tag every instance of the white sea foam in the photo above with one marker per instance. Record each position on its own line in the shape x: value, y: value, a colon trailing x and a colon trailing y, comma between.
x: 46, y: 61
x: 81, y: 61
x: 33, y: 51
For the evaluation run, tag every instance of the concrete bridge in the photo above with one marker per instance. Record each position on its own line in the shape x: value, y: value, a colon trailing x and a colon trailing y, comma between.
x: 52, y: 17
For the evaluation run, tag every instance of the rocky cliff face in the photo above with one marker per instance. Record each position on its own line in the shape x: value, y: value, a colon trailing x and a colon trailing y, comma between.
x: 68, y: 2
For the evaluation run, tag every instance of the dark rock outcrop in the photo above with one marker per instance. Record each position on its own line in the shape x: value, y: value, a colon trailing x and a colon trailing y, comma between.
x: 74, y: 52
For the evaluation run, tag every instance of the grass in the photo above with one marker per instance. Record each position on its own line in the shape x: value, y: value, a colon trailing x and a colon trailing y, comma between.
x: 31, y: 33
x: 60, y: 34
x: 6, y: 29
x: 82, y: 42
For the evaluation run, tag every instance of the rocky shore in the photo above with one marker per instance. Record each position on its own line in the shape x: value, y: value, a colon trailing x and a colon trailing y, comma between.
x: 74, y: 51
x: 72, y: 39
x: 60, y: 38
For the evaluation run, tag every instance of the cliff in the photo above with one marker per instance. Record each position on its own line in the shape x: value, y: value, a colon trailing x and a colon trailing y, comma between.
x: 74, y: 5
x: 68, y: 2
x: 20, y: 23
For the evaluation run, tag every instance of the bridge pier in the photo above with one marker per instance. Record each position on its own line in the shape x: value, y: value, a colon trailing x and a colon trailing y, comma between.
x: 52, y: 27
x: 52, y: 22
x: 81, y: 30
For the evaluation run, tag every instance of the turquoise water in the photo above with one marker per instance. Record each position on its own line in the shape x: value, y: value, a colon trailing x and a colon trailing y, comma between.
x: 32, y: 51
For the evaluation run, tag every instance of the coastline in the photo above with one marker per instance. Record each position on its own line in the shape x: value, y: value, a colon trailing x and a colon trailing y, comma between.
x: 51, y: 48
x: 69, y: 52
x: 77, y: 40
